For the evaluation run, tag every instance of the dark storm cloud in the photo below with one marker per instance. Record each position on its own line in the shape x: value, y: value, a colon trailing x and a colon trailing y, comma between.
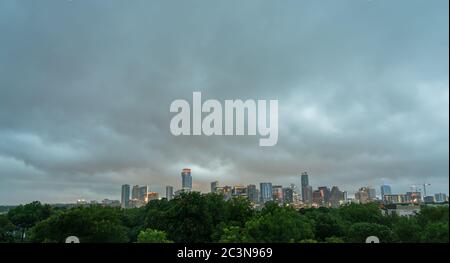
x: 85, y: 89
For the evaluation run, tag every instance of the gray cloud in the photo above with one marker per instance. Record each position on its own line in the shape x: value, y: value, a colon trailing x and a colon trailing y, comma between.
x: 85, y: 90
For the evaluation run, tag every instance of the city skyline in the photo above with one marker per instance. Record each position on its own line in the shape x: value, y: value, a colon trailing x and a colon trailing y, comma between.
x: 362, y: 90
x: 140, y: 193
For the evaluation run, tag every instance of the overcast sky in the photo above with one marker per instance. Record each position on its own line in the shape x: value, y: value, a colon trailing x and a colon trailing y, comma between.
x: 86, y: 86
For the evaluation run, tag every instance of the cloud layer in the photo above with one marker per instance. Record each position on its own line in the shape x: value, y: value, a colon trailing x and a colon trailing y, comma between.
x: 85, y: 90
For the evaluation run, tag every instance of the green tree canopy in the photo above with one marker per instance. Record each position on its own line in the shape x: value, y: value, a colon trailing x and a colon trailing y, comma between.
x: 152, y: 236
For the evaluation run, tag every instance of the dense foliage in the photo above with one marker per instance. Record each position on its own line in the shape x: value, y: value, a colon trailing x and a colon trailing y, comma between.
x: 197, y: 218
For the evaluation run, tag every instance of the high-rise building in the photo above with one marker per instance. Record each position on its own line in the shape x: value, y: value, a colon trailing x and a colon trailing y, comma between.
x: 307, y: 195
x: 325, y: 193
x: 318, y: 197
x: 440, y: 198
x: 336, y: 197
x: 266, y: 192
x: 186, y: 179
x: 227, y: 192
x: 306, y: 190
x: 239, y: 190
x: 277, y: 193
x: 125, y: 199
x: 214, y: 186
x: 288, y: 195
x: 135, y: 193
x: 362, y: 196
x: 252, y: 193
x: 143, y: 190
x: 385, y: 190
x: 372, y: 193
x: 304, y: 179
x: 169, y: 192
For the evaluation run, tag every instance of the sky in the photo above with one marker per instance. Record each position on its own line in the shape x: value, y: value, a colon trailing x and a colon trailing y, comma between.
x: 86, y: 87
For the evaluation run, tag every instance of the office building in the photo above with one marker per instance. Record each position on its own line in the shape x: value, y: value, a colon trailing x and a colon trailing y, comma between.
x: 288, y: 195
x: 125, y: 197
x: 325, y: 193
x: 362, y: 196
x: 318, y: 197
x: 239, y: 190
x: 429, y: 199
x: 135, y: 192
x: 214, y: 186
x: 385, y: 190
x: 143, y: 190
x: 307, y: 195
x: 441, y: 198
x: 336, y: 197
x: 186, y: 179
x: 372, y: 193
x: 252, y: 193
x: 169, y: 192
x: 277, y: 193
x: 266, y: 192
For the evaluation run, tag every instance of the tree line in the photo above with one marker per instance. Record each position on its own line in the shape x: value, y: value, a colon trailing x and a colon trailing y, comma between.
x: 199, y: 218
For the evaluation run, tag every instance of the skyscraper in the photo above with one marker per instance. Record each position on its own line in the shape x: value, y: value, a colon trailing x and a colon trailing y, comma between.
x: 325, y: 193
x: 372, y: 193
x: 125, y: 199
x: 306, y: 189
x: 239, y: 190
x: 135, y: 193
x: 304, y: 179
x: 169, y: 192
x: 186, y: 179
x: 362, y: 196
x: 277, y: 193
x: 288, y: 195
x: 385, y: 190
x: 252, y: 193
x: 336, y: 197
x: 143, y: 190
x: 266, y: 192
x: 214, y: 186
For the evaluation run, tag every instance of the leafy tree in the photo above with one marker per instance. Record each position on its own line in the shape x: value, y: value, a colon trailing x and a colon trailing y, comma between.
x: 436, y: 233
x: 232, y: 234
x: 6, y: 229
x: 357, y: 213
x: 26, y: 216
x: 407, y: 230
x: 429, y: 215
x: 278, y: 225
x: 190, y: 218
x: 238, y: 210
x: 359, y: 232
x: 91, y: 225
x: 152, y: 236
x: 326, y: 224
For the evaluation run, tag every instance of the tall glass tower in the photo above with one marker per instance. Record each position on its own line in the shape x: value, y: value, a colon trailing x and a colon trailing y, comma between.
x: 125, y: 200
x: 186, y: 179
x: 266, y: 192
